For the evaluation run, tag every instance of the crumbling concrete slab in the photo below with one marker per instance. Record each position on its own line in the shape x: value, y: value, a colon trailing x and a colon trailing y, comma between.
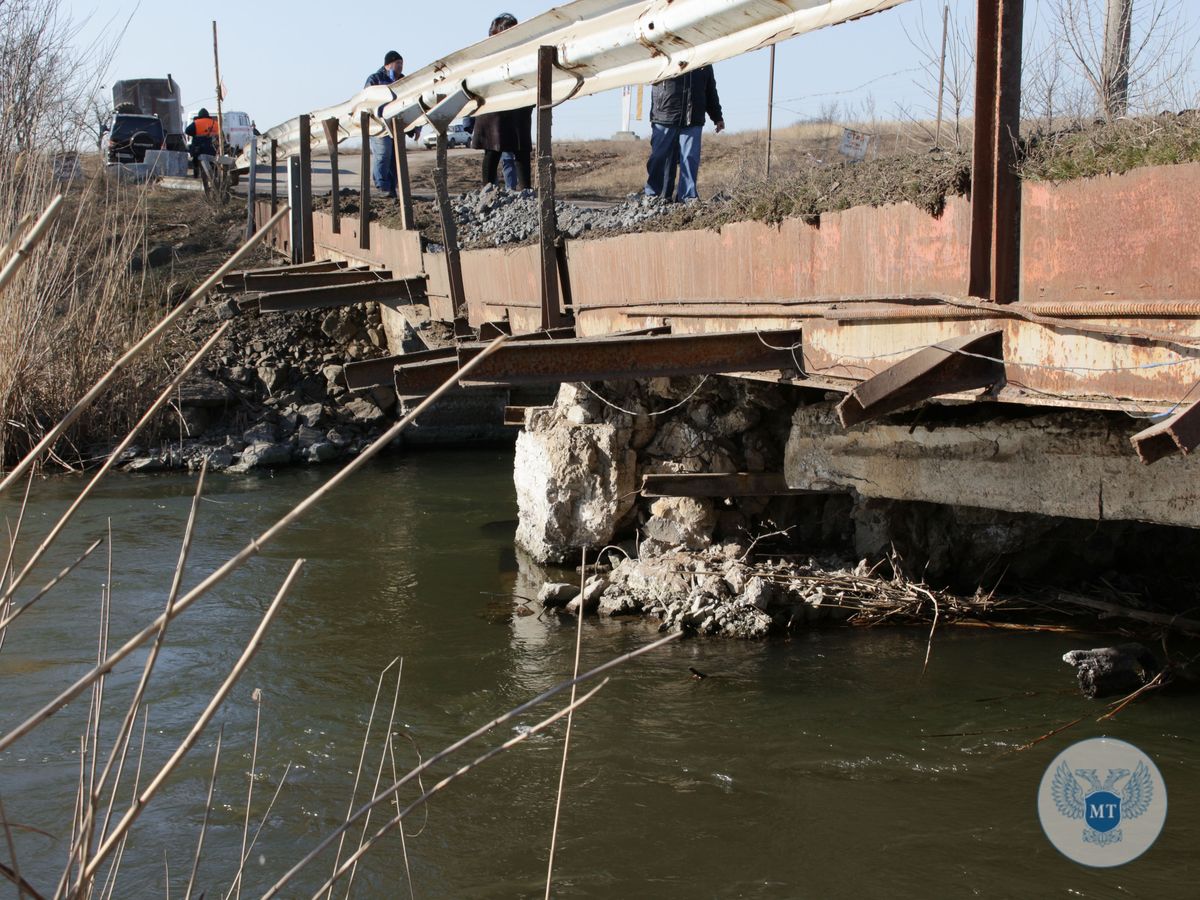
x: 1071, y: 464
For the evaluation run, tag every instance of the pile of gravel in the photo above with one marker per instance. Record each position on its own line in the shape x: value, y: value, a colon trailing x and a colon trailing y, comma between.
x: 495, y: 216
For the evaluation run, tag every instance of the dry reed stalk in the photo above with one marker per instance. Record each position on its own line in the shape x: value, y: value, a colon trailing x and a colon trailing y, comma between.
x: 408, y: 879
x: 212, y: 784
x: 458, y: 745
x: 562, y: 771
x: 121, y: 743
x: 462, y: 770
x: 138, y: 348
x: 236, y: 889
x: 89, y: 871
x: 31, y: 241
x: 387, y: 738
x: 114, y: 869
x: 111, y: 461
x: 6, y: 573
x: 362, y: 756
x: 52, y: 583
x: 246, y: 553
x: 262, y: 824
x: 14, y: 873
x: 15, y: 236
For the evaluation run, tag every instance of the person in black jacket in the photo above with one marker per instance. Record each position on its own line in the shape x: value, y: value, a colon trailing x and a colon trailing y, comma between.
x: 502, y: 133
x: 677, y: 110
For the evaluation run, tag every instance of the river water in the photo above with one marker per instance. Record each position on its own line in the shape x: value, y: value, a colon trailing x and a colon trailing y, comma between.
x: 818, y: 766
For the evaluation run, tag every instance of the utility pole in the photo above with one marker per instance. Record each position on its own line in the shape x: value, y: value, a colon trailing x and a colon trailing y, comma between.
x: 937, y: 141
x: 220, y: 118
x: 1114, y: 70
x: 770, y: 107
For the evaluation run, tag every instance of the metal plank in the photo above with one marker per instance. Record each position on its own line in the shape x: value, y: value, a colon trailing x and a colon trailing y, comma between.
x: 547, y: 216
x: 308, y: 248
x: 616, y: 358
x: 236, y: 281
x: 1178, y: 434
x: 331, y: 141
x: 274, y: 177
x: 286, y: 282
x: 364, y: 182
x: 342, y: 295
x: 735, y: 484
x: 941, y: 369
x: 454, y: 276
x: 403, y: 181
x: 373, y: 373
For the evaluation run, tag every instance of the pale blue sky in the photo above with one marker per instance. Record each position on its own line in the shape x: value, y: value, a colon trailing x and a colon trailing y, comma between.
x: 282, y: 59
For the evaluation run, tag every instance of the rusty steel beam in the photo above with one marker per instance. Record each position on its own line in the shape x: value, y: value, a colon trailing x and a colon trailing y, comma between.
x: 308, y: 250
x: 547, y: 217
x: 373, y: 373
x: 288, y: 282
x: 647, y: 356
x: 454, y: 276
x: 341, y: 295
x: 735, y: 484
x: 420, y: 378
x: 331, y: 139
x: 490, y: 330
x: 995, y: 189
x: 958, y: 364
x: 364, y: 182
x: 515, y: 415
x: 1178, y: 434
x: 403, y: 181
x: 236, y: 281
x: 274, y: 177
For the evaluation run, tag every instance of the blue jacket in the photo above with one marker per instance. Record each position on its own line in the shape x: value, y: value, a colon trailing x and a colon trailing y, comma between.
x: 383, y: 76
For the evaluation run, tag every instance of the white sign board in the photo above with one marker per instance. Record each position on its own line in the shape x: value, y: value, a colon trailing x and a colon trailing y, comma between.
x: 855, y: 144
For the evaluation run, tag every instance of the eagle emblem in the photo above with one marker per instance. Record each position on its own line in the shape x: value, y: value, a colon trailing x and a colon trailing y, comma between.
x: 1101, y: 805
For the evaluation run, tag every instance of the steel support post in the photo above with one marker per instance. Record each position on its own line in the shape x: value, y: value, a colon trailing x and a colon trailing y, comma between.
x: 331, y: 141
x: 449, y: 230
x: 552, y: 316
x: 274, y: 176
x: 295, y: 229
x: 364, y: 183
x: 308, y: 251
x: 252, y: 187
x: 403, y: 183
x: 995, y: 188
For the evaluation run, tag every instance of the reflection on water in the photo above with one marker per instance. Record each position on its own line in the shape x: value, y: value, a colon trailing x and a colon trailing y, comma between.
x: 821, y: 766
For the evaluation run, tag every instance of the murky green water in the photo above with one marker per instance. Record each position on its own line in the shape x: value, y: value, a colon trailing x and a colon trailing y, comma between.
x: 812, y: 767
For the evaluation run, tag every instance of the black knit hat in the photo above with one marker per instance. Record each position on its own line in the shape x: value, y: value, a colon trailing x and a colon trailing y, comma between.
x: 391, y: 57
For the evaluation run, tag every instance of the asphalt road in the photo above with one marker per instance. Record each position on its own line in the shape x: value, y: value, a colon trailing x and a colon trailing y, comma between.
x: 348, y: 170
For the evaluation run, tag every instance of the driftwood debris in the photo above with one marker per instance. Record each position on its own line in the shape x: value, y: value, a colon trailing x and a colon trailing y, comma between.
x: 1112, y: 671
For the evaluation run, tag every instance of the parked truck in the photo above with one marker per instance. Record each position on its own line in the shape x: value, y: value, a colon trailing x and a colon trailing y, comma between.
x: 153, y: 97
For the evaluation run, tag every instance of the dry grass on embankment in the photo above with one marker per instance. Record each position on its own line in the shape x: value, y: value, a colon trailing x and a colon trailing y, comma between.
x: 118, y: 257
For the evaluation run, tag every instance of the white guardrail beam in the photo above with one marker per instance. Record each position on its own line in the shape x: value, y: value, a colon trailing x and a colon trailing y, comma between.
x: 602, y: 44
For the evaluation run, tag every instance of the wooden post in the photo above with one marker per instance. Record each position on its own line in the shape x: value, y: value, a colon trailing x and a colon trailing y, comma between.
x: 274, y: 176
x: 364, y: 183
x: 995, y: 188
x: 331, y: 141
x: 403, y: 184
x: 547, y: 216
x: 308, y: 250
x: 220, y: 92
x: 449, y: 230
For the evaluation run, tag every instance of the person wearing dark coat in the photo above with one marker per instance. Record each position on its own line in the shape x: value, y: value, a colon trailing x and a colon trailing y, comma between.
x: 383, y: 149
x: 202, y: 131
x: 503, y: 133
x: 677, y: 110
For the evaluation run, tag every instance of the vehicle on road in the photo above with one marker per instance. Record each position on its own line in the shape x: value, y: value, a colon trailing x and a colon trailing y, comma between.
x: 158, y: 97
x: 127, y: 138
x: 456, y: 136
x: 239, y: 129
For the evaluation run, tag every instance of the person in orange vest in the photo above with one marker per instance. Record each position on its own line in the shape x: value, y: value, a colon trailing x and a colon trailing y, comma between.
x: 202, y: 131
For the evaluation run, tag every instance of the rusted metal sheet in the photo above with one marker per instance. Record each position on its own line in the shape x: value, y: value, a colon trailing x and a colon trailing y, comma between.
x: 959, y: 364
x: 515, y: 415
x: 236, y: 281
x: 341, y: 295
x: 1104, y: 238
x: 391, y: 248
x: 897, y: 250
x: 373, y: 373
x: 1178, y: 434
x: 735, y: 484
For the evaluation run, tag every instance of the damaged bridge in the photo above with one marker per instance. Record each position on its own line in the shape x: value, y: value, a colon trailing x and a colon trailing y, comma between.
x: 1035, y: 348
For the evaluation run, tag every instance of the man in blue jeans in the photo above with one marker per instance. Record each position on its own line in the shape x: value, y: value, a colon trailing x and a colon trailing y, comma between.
x: 677, y: 110
x: 383, y: 150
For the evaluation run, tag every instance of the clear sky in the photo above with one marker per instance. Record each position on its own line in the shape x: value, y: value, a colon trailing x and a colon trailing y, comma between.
x: 279, y: 59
